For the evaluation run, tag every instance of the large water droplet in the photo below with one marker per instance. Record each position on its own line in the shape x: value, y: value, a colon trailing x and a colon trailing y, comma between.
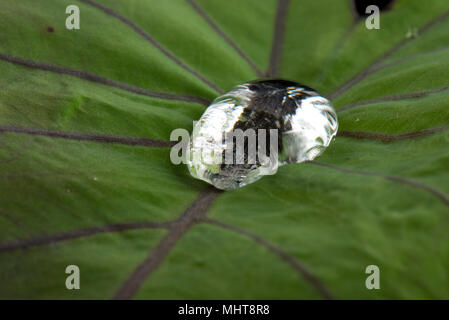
x: 282, y: 122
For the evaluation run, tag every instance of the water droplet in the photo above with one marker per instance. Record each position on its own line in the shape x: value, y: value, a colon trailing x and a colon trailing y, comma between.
x: 281, y: 121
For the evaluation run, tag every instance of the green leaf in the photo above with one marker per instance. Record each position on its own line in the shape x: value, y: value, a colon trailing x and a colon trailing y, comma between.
x: 86, y: 179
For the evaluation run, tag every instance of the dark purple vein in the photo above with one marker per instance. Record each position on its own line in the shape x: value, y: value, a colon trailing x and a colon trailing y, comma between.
x: 225, y: 37
x: 13, y: 219
x: 156, y: 44
x: 346, y: 35
x: 190, y: 217
x: 95, y: 78
x: 340, y: 44
x: 384, y: 137
x: 278, y: 38
x: 130, y: 141
x: 375, y: 65
x: 382, y: 66
x: 353, y: 10
x: 443, y: 197
x: 80, y: 233
x: 397, y: 97
x: 294, y: 263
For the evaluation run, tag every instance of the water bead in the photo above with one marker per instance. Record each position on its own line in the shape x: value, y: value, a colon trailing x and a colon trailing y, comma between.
x: 304, y: 122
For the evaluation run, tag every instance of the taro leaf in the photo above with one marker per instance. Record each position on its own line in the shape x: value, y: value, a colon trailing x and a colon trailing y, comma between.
x: 86, y: 179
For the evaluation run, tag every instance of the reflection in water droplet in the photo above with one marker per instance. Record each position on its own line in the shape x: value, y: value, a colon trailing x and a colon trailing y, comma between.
x: 282, y: 121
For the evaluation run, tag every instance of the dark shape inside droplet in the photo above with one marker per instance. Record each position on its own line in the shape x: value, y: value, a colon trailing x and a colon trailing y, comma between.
x: 360, y: 6
x: 269, y: 84
x: 266, y: 110
x: 50, y: 29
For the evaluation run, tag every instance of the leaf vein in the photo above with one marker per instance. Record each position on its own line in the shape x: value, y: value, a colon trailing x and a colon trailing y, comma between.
x: 189, y: 218
x: 292, y: 261
x: 279, y: 28
x: 385, y: 137
x: 412, y: 183
x: 155, y: 43
x: 98, y: 79
x: 375, y: 65
x: 130, y: 141
x: 225, y: 37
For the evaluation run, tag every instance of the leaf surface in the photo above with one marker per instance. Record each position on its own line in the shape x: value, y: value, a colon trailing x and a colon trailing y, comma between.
x: 86, y: 178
